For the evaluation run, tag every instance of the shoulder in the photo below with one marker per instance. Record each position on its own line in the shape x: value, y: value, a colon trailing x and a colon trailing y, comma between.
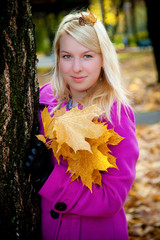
x: 46, y: 96
x: 125, y: 112
x: 126, y: 120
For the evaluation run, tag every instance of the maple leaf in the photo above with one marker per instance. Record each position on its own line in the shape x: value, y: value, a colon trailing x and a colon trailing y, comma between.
x: 86, y: 165
x: 41, y: 138
x: 82, y: 142
x: 115, y: 137
x: 89, y: 165
x: 76, y: 125
x: 89, y: 19
x: 48, y: 123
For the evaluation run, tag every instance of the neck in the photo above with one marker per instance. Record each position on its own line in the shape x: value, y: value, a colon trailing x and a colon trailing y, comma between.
x: 77, y: 97
x: 75, y: 100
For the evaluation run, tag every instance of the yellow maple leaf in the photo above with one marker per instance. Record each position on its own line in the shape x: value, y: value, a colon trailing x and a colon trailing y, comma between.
x: 82, y: 142
x: 48, y: 123
x: 76, y: 125
x: 115, y: 137
x: 86, y: 165
x: 89, y: 19
x: 41, y: 138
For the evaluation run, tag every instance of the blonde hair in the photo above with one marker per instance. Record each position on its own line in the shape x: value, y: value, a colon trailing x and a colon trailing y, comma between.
x: 109, y: 88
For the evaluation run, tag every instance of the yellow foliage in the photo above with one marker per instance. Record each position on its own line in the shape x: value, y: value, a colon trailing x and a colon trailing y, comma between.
x: 109, y: 11
x: 82, y: 142
x: 110, y: 19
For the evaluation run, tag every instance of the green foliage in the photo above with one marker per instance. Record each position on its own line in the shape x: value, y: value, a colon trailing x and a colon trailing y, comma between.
x: 116, y: 21
x: 141, y: 17
x: 45, y: 29
x: 118, y: 38
x: 41, y: 35
x: 131, y: 40
x: 142, y: 35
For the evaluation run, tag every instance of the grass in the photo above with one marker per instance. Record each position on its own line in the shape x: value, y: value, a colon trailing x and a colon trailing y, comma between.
x: 127, y: 55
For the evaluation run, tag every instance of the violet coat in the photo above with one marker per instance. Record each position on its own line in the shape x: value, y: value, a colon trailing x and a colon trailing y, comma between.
x: 69, y: 210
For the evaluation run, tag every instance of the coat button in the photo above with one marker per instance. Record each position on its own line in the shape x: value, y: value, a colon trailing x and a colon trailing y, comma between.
x: 60, y: 206
x: 54, y: 214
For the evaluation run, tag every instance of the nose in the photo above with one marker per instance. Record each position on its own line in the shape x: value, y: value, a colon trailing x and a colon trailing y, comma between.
x: 77, y: 65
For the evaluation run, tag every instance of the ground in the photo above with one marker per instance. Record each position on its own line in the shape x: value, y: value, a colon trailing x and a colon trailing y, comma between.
x: 140, y: 78
x: 142, y: 205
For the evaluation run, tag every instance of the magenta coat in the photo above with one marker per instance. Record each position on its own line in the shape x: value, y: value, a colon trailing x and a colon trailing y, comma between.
x: 69, y: 210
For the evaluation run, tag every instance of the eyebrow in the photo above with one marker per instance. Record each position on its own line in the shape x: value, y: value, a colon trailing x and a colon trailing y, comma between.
x: 83, y: 52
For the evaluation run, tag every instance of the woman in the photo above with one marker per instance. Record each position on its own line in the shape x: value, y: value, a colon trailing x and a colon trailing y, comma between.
x: 87, y: 70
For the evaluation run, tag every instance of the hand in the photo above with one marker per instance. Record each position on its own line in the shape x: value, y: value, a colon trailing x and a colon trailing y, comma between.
x: 37, y: 163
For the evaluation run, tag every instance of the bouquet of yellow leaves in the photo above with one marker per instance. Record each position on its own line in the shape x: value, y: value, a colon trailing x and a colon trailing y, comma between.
x: 81, y: 141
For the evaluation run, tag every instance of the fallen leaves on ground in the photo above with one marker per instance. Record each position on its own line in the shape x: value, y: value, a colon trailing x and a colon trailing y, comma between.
x: 143, y: 203
x: 145, y: 98
x: 140, y: 78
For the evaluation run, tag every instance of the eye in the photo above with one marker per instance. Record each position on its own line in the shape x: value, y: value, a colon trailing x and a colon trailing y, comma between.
x: 88, y: 56
x: 66, y: 56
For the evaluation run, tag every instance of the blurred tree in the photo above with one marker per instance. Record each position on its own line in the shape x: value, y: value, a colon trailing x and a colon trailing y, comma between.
x: 47, y: 15
x: 19, y: 204
x: 45, y: 28
x: 153, y: 13
x: 51, y: 25
x: 133, y: 19
x: 118, y: 6
x: 102, y: 10
x: 107, y: 11
x: 43, y: 44
x: 120, y: 17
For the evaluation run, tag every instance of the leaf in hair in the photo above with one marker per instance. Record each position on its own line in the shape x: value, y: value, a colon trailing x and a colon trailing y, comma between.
x: 89, y: 19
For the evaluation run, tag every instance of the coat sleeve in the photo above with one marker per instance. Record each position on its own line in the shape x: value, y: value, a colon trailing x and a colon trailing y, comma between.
x: 46, y: 98
x: 106, y: 200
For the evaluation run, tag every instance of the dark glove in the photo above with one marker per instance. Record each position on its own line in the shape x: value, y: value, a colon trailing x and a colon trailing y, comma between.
x: 37, y: 163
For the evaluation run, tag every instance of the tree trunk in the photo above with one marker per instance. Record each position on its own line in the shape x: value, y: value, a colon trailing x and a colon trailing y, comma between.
x: 19, y: 204
x: 102, y: 10
x: 133, y: 20
x: 153, y: 25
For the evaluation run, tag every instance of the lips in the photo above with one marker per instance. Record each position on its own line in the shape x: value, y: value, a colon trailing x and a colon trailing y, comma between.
x: 78, y: 79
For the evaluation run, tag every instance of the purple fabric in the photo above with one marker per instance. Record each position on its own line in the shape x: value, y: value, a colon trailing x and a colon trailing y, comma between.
x: 91, y: 216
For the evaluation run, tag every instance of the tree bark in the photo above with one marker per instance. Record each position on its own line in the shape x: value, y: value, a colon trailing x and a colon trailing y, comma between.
x: 19, y: 204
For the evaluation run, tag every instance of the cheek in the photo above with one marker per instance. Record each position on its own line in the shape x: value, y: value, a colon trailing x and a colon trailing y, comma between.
x: 94, y: 67
x: 94, y: 71
x: 64, y: 67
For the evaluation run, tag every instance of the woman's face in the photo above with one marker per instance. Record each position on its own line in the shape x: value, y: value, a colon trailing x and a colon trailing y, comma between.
x: 80, y: 67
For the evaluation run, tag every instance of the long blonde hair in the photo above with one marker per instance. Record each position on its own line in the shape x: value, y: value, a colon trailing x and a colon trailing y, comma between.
x: 109, y: 88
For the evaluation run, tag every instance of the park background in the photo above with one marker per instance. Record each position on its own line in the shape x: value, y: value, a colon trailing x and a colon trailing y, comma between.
x: 127, y: 25
x: 133, y: 28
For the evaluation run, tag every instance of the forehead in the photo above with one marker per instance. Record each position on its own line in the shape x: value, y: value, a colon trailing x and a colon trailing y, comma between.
x: 70, y: 44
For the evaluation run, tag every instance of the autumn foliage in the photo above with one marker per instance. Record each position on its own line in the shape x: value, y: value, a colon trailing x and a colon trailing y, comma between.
x: 81, y: 141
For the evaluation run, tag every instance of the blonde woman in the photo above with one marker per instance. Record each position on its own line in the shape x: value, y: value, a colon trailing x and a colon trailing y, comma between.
x: 86, y: 70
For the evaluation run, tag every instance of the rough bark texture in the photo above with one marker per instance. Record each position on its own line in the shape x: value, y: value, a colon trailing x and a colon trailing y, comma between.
x: 19, y: 204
